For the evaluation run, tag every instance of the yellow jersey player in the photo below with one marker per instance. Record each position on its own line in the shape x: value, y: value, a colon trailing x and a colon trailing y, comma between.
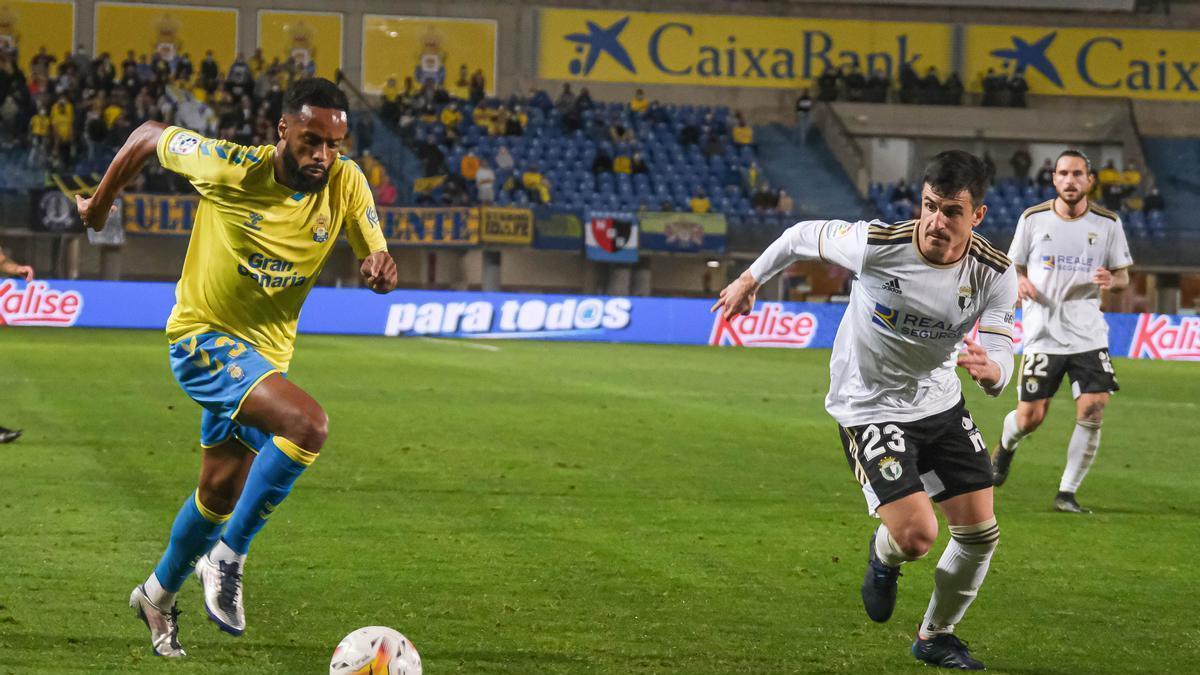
x: 267, y: 222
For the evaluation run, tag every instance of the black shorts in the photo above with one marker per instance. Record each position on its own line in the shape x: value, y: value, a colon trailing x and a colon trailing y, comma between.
x: 943, y: 454
x: 1090, y: 372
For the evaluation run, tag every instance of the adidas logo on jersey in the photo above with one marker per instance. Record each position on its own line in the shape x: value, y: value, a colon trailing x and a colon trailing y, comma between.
x: 893, y: 286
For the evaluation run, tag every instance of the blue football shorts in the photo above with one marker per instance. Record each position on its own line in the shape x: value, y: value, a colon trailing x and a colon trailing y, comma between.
x: 219, y: 371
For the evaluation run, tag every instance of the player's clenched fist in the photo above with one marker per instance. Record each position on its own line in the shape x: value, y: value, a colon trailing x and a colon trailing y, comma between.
x: 974, y: 359
x: 92, y: 218
x: 738, y: 297
x: 379, y: 272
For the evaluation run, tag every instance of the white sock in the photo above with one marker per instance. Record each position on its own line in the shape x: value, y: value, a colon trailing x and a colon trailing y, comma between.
x: 886, y: 549
x: 959, y: 575
x: 1012, y: 434
x: 222, y: 553
x: 1081, y: 451
x: 159, y: 596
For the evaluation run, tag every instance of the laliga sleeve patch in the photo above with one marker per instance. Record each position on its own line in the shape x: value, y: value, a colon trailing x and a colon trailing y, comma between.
x: 183, y: 143
x: 840, y: 230
x: 372, y: 216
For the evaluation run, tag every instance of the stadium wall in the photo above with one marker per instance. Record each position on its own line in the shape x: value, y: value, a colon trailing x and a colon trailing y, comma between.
x: 101, y: 304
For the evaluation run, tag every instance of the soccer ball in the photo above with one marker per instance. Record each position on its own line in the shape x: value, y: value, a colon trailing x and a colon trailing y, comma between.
x: 375, y: 650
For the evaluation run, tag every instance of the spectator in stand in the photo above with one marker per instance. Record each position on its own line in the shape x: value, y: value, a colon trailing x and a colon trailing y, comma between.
x: 990, y: 165
x: 476, y: 87
x: 1017, y: 88
x: 1153, y: 201
x: 804, y: 105
x: 1021, y: 161
x: 856, y: 83
x: 385, y: 192
x: 1094, y: 192
x: 536, y: 185
x: 504, y: 159
x: 877, y: 86
x: 827, y: 84
x: 930, y: 91
x: 584, y: 102
x: 713, y: 147
x: 1131, y: 179
x: 952, y: 90
x: 764, y: 198
x: 1045, y: 175
x: 39, y: 129
x: 372, y: 168
x: 469, y: 165
x: 623, y: 164
x: 993, y: 84
x: 602, y: 162
x: 910, y: 84
x: 433, y: 160
x: 451, y: 117
x: 515, y: 126
x: 753, y: 175
x: 903, y: 192
x: 786, y: 204
x: 539, y: 99
x: 62, y: 129
x: 743, y: 134
x: 566, y: 99
x: 462, y: 85
x: 210, y: 72
x: 689, y: 134
x: 618, y: 132
x: 485, y: 183
x: 639, y: 164
x: 699, y: 202
x: 1111, y: 187
x: 639, y: 104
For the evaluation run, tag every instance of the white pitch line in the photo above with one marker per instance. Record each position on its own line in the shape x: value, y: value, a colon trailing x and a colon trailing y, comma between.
x: 461, y: 343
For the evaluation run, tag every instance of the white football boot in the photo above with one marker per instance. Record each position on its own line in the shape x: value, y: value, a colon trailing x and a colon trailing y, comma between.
x: 164, y: 626
x: 222, y: 582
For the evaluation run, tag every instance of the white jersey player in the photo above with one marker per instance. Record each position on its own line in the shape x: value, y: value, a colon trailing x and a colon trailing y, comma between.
x: 921, y: 288
x: 1066, y: 251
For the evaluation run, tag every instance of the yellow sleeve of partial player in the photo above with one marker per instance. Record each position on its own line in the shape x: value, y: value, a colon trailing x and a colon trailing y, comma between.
x: 205, y: 162
x: 362, y: 219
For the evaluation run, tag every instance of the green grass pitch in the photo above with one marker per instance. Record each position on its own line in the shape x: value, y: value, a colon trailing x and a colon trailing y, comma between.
x: 572, y: 508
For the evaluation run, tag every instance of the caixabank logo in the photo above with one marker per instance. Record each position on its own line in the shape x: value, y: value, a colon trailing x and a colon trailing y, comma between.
x: 1158, y: 64
x: 706, y: 49
x: 37, y: 304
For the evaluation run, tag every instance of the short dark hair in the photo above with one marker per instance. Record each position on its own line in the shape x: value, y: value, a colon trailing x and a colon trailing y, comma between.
x: 317, y: 92
x: 1074, y: 153
x: 953, y: 171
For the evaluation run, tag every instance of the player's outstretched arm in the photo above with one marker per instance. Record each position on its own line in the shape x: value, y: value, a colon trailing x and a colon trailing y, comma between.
x: 834, y: 241
x: 140, y: 146
x: 379, y: 272
x: 980, y: 366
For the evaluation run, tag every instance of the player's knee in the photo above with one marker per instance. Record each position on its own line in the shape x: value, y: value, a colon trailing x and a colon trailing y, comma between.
x: 915, y: 539
x: 1093, y: 414
x: 1030, y: 420
x: 218, y: 494
x: 310, y: 430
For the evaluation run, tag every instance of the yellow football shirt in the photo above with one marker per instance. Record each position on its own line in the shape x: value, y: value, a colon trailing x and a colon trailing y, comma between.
x: 256, y: 246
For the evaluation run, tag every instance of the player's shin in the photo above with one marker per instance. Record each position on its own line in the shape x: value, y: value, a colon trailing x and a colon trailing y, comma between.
x: 195, y: 530
x: 1012, y: 433
x: 959, y: 575
x: 1081, y: 452
x: 279, y: 463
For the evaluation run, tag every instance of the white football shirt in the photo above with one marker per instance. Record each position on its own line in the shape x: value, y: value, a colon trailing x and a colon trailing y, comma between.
x: 1060, y: 256
x: 896, y: 347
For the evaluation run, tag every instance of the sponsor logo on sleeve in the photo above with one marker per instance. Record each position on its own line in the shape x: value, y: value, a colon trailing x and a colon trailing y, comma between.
x: 183, y: 143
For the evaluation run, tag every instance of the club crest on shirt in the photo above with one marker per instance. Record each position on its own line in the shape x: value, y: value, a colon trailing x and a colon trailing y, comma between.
x: 235, y: 371
x: 889, y: 468
x: 1092, y: 237
x: 966, y: 296
x: 320, y: 230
